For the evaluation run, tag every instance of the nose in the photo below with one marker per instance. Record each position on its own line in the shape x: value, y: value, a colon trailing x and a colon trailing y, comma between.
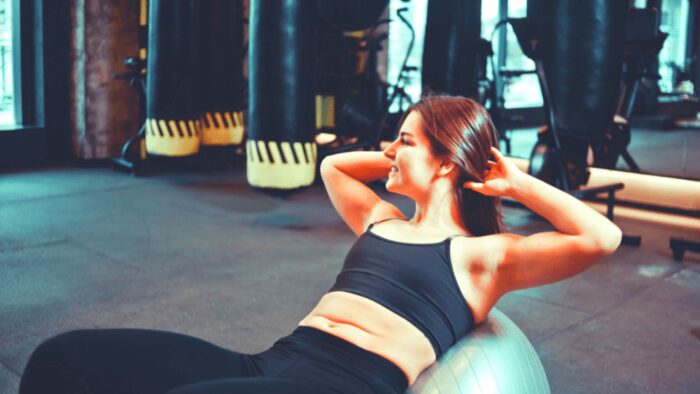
x: 390, y: 151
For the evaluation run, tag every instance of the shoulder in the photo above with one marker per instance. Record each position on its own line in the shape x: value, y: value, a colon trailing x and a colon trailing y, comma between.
x: 480, y: 255
x: 486, y: 249
x: 475, y: 264
x: 384, y: 210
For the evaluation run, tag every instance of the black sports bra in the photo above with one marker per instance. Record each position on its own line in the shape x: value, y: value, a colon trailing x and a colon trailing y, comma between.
x: 415, y: 281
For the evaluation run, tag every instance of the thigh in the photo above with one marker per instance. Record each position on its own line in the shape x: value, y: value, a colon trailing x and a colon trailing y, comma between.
x: 129, y: 360
x: 258, y: 385
x: 334, y: 374
x: 329, y: 364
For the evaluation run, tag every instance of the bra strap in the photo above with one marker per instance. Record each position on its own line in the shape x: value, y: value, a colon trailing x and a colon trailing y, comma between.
x: 379, y: 221
x: 458, y: 235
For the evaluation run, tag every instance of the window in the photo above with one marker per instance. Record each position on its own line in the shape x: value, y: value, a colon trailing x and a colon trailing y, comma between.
x: 519, y: 91
x: 672, y: 60
x: 34, y: 100
x: 399, y: 40
x: 7, y: 56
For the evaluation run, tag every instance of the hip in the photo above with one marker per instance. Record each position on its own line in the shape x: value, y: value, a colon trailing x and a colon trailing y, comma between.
x: 374, y: 328
x: 322, y: 359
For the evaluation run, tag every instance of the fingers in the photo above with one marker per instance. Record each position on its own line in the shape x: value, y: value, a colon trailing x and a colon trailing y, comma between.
x: 496, y: 153
x: 476, y: 186
x: 491, y: 163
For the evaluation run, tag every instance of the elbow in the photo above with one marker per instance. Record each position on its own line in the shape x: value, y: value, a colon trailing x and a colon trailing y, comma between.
x: 325, y: 166
x: 609, y: 242
x: 325, y: 163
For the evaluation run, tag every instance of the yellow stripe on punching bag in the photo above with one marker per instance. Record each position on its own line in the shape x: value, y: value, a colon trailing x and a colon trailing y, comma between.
x: 319, y: 112
x: 172, y: 138
x: 280, y: 168
x: 143, y: 30
x: 329, y: 113
x: 325, y: 111
x: 222, y: 128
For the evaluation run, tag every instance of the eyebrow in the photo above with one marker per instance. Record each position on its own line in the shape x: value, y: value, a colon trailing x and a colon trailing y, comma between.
x: 405, y: 133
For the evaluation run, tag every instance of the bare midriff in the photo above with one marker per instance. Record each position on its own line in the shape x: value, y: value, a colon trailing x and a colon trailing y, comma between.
x: 374, y: 328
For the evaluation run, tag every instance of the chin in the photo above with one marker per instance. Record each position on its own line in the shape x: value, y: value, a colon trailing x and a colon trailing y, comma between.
x: 392, y: 188
x: 389, y: 186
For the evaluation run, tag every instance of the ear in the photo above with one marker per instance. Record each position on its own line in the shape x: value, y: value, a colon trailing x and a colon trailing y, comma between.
x: 446, y: 167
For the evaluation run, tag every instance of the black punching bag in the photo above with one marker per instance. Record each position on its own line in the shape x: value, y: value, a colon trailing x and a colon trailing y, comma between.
x: 281, y: 151
x: 350, y: 15
x: 221, y: 67
x: 171, y: 105
x: 583, y: 65
x: 450, y: 53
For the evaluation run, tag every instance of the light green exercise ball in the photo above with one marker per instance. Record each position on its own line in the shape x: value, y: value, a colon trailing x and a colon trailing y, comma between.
x: 495, y: 357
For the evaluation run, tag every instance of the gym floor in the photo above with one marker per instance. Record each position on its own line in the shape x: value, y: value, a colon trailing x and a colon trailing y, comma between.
x: 203, y: 254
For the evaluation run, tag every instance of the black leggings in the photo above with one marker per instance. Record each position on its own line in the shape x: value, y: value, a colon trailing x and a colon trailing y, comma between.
x: 150, y: 361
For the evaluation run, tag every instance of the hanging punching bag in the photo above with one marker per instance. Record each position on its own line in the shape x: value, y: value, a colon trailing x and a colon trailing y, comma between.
x: 583, y: 65
x: 221, y: 66
x: 350, y: 15
x: 171, y: 103
x: 281, y: 152
x: 451, y: 46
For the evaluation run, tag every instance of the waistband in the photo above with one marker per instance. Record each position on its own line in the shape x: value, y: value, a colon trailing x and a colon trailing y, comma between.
x: 374, y: 363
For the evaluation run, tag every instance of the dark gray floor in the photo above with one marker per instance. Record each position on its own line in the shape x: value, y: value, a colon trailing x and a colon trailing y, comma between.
x: 204, y: 255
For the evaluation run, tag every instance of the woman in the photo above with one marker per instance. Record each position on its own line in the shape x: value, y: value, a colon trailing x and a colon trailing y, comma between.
x: 408, y: 290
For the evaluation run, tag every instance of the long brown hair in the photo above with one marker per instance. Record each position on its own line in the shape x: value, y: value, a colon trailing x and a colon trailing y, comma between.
x: 460, y: 130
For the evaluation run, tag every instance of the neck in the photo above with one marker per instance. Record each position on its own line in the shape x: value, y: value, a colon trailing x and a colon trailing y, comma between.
x: 430, y: 209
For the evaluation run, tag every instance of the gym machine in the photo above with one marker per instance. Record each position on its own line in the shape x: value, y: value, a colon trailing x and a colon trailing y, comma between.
x: 365, y: 114
x: 548, y: 160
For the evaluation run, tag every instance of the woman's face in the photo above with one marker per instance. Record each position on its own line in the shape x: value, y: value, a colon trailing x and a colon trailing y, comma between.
x: 415, y: 164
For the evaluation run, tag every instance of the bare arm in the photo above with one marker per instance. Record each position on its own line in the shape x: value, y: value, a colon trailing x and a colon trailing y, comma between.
x: 362, y: 166
x: 583, y: 238
x: 345, y: 176
x: 566, y: 213
x: 583, y: 235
